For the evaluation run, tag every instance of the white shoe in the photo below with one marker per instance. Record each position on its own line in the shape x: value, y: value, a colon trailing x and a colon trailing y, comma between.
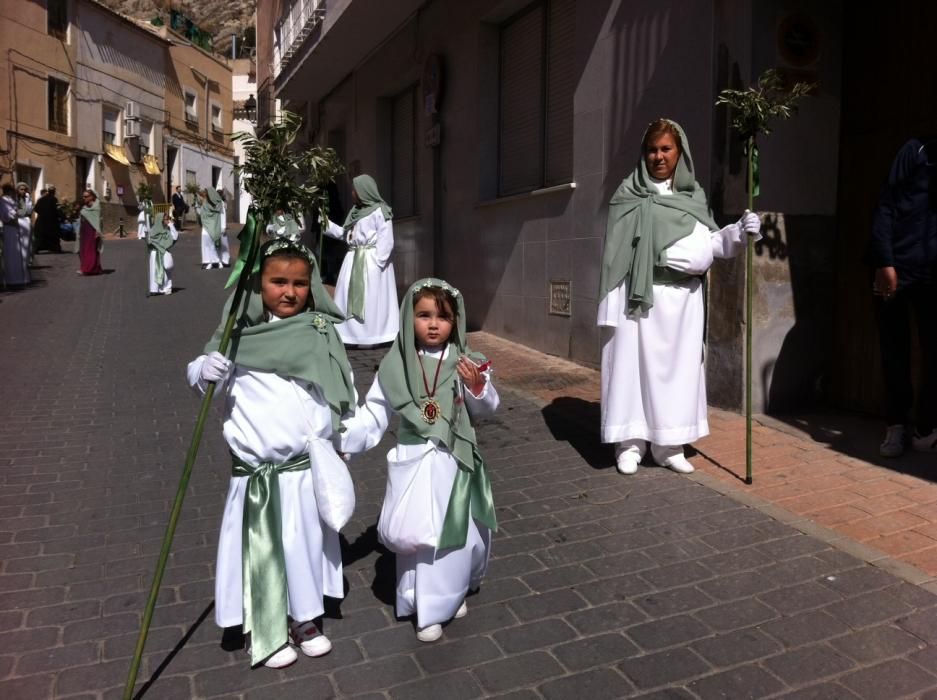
x: 893, y: 444
x: 282, y: 659
x: 925, y: 443
x: 462, y: 611
x: 320, y: 645
x: 429, y: 634
x: 679, y: 464
x: 627, y: 463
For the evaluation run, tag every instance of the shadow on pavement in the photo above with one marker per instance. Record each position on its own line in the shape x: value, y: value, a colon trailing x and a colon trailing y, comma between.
x: 576, y: 421
x: 385, y: 574
x: 164, y: 664
x: 856, y: 436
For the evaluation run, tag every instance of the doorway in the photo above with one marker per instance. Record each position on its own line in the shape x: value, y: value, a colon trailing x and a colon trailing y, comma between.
x: 884, y: 103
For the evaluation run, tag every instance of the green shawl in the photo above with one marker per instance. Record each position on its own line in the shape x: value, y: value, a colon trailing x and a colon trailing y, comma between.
x: 92, y: 213
x: 402, y: 380
x: 211, y: 216
x: 159, y: 240
x: 642, y: 224
x: 369, y: 199
x: 305, y: 346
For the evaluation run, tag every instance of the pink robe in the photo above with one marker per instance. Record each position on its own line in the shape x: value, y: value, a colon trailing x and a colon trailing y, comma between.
x: 88, y: 252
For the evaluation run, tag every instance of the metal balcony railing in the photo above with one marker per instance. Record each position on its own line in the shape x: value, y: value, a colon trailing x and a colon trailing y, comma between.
x: 296, y: 26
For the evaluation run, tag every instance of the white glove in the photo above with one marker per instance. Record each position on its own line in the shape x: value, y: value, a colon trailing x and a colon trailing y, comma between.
x: 215, y: 368
x: 750, y: 222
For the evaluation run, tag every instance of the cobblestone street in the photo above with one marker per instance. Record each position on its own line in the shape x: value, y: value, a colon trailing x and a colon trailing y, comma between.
x: 600, y: 586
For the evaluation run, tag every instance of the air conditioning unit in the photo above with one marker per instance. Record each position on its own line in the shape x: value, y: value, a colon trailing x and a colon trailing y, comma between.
x: 132, y: 111
x: 131, y: 128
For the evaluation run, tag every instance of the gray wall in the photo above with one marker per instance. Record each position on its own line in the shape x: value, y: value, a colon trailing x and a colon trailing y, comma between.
x: 634, y: 61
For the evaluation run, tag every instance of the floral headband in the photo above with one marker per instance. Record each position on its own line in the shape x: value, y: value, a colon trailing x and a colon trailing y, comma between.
x: 286, y: 243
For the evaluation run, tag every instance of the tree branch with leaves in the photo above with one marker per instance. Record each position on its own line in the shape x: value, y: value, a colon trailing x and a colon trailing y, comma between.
x: 752, y: 111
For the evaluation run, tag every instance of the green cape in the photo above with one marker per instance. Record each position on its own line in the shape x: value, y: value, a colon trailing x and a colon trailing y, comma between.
x: 211, y: 216
x: 642, y: 224
x: 401, y: 375
x: 369, y: 199
x: 92, y: 213
x: 159, y: 239
x: 305, y: 346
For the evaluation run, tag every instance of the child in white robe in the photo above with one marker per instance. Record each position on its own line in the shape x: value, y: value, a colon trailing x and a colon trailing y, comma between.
x: 286, y: 390
x: 366, y: 289
x: 159, y: 239
x: 438, y: 512
x: 144, y: 219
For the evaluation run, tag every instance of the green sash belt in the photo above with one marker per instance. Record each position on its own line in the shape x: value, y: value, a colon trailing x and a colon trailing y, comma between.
x: 667, y: 275
x: 356, y: 289
x: 470, y: 495
x: 262, y: 559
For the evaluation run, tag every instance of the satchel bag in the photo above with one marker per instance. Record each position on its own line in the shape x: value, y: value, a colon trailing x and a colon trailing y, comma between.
x: 407, y: 521
x: 335, y: 491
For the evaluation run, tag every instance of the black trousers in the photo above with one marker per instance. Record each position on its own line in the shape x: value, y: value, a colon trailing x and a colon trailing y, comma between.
x: 894, y: 323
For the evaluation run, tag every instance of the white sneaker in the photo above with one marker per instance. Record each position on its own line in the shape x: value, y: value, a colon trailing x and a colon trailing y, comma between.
x: 320, y: 645
x: 429, y: 634
x: 627, y: 463
x: 462, y: 611
x: 282, y: 659
x: 679, y: 464
x: 925, y: 443
x: 893, y: 444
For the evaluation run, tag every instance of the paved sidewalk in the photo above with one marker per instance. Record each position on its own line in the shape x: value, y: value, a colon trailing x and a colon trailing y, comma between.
x: 823, y: 470
x: 600, y: 586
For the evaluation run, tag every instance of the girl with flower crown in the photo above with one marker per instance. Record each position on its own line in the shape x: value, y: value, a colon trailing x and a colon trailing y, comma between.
x: 287, y: 385
x: 438, y: 513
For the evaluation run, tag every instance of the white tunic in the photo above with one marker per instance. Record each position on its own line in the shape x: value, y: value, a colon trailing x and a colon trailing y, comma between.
x: 430, y: 583
x: 166, y: 287
x: 16, y: 244
x: 653, y: 377
x: 381, y: 310
x: 271, y: 419
x: 143, y: 224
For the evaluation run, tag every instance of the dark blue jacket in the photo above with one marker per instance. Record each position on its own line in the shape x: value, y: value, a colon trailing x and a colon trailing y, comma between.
x: 904, y: 228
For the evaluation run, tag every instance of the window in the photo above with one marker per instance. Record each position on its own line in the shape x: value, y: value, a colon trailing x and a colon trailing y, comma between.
x: 191, y: 108
x: 216, y: 118
x: 146, y: 138
x: 57, y: 18
x: 109, y: 125
x: 58, y: 106
x: 536, y: 83
x: 216, y: 177
x: 403, y: 153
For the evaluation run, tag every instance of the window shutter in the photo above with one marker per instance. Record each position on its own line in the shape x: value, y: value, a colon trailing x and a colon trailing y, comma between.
x: 403, y: 155
x: 521, y: 104
x: 561, y: 83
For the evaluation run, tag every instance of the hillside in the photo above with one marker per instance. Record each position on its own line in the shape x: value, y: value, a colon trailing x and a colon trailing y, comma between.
x: 222, y: 18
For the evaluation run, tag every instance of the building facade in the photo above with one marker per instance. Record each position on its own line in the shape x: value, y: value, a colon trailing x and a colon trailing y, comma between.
x: 37, y: 79
x: 121, y: 86
x: 199, y: 116
x: 97, y: 99
x: 498, y: 130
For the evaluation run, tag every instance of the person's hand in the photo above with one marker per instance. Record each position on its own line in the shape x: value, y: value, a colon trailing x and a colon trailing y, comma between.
x: 750, y: 222
x: 215, y: 368
x: 471, y: 376
x: 886, y: 282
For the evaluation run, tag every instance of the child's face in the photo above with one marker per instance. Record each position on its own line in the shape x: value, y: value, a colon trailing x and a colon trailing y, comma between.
x: 284, y: 286
x: 432, y: 326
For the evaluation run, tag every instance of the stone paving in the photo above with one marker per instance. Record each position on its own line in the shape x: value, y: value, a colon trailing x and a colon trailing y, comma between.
x: 600, y: 586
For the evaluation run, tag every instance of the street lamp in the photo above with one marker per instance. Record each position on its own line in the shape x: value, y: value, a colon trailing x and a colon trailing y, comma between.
x: 250, y: 109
